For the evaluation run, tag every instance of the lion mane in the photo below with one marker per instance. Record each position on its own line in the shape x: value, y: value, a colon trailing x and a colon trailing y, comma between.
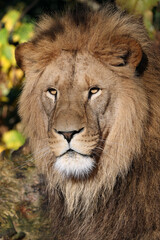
x: 90, y: 107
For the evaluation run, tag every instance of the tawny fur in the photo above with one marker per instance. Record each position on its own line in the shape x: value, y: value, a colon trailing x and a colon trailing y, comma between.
x: 121, y: 198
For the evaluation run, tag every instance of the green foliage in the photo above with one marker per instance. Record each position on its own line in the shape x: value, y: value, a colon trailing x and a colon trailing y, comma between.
x: 23, y: 32
x: 141, y: 7
x: 15, y: 32
x: 12, y: 32
x: 137, y: 6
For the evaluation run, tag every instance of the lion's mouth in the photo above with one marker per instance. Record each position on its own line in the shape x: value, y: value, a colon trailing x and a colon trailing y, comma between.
x: 72, y: 152
x: 74, y: 164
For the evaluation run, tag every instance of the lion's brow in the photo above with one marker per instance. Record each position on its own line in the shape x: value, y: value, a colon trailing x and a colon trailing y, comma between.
x: 88, y: 80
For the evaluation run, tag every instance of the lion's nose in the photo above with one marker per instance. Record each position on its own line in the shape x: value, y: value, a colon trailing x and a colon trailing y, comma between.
x: 68, y: 135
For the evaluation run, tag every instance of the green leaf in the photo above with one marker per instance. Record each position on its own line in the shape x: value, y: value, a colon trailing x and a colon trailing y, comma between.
x: 13, y: 139
x: 24, y: 32
x: 144, y: 5
x: 10, y: 19
x: 6, y: 51
x: 3, y: 36
x: 141, y: 7
x: 137, y: 6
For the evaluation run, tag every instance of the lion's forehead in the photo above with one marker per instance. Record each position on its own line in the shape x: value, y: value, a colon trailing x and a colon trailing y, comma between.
x: 75, y: 70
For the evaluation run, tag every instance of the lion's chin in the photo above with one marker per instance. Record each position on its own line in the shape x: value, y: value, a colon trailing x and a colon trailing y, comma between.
x: 73, y: 164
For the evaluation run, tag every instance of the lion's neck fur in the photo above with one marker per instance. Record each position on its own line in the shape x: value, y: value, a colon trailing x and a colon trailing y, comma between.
x: 82, y: 196
x: 110, y: 206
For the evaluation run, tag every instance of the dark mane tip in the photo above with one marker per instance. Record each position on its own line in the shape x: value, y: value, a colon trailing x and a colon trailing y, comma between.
x: 142, y: 65
x: 80, y: 14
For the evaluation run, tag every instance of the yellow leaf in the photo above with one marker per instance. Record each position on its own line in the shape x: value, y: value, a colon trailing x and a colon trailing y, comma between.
x: 19, y: 73
x: 6, y: 64
x: 16, y: 38
x: 13, y: 60
x: 2, y: 148
x: 10, y: 84
x: 10, y: 19
x: 4, y: 99
x: 13, y: 139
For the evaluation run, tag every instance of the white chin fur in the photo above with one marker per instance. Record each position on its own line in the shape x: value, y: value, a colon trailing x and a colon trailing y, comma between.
x: 74, y: 164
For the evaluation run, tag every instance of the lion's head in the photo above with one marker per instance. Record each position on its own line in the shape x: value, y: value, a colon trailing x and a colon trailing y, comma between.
x: 85, y: 104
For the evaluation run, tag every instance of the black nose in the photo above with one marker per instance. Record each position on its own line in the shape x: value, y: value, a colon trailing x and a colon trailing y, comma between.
x: 69, y: 135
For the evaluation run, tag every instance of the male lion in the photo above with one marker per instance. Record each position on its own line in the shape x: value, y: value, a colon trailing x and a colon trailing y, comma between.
x: 91, y: 109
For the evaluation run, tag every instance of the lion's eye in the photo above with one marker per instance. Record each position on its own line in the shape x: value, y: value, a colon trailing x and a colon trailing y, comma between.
x: 93, y: 91
x: 52, y: 91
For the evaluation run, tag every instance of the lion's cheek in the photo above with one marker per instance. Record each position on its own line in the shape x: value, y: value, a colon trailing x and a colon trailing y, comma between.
x: 58, y: 147
x: 82, y: 147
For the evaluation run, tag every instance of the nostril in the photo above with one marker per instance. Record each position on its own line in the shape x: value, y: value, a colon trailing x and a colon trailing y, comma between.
x: 68, y: 135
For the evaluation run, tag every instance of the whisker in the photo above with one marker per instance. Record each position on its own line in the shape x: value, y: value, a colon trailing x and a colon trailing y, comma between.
x: 106, y: 151
x: 31, y: 158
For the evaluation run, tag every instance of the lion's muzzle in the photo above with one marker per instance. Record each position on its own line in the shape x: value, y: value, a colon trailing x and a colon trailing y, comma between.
x: 73, y: 151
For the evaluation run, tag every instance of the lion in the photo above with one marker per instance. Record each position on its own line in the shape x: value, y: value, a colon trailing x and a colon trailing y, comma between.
x: 90, y: 107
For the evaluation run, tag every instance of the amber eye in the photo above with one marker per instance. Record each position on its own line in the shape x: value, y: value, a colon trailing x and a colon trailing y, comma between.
x: 92, y: 91
x: 52, y: 91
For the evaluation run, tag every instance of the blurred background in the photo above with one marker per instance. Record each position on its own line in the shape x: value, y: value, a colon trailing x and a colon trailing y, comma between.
x: 17, y: 25
x: 20, y: 188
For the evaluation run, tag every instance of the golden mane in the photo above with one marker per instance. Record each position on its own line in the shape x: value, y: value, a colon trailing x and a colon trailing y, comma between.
x: 93, y: 32
x: 121, y: 201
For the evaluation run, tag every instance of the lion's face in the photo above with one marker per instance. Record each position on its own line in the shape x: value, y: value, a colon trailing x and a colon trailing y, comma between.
x: 89, y: 111
x: 76, y: 97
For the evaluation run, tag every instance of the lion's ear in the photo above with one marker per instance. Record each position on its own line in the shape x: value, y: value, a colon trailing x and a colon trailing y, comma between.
x: 127, y: 50
x: 23, y: 53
